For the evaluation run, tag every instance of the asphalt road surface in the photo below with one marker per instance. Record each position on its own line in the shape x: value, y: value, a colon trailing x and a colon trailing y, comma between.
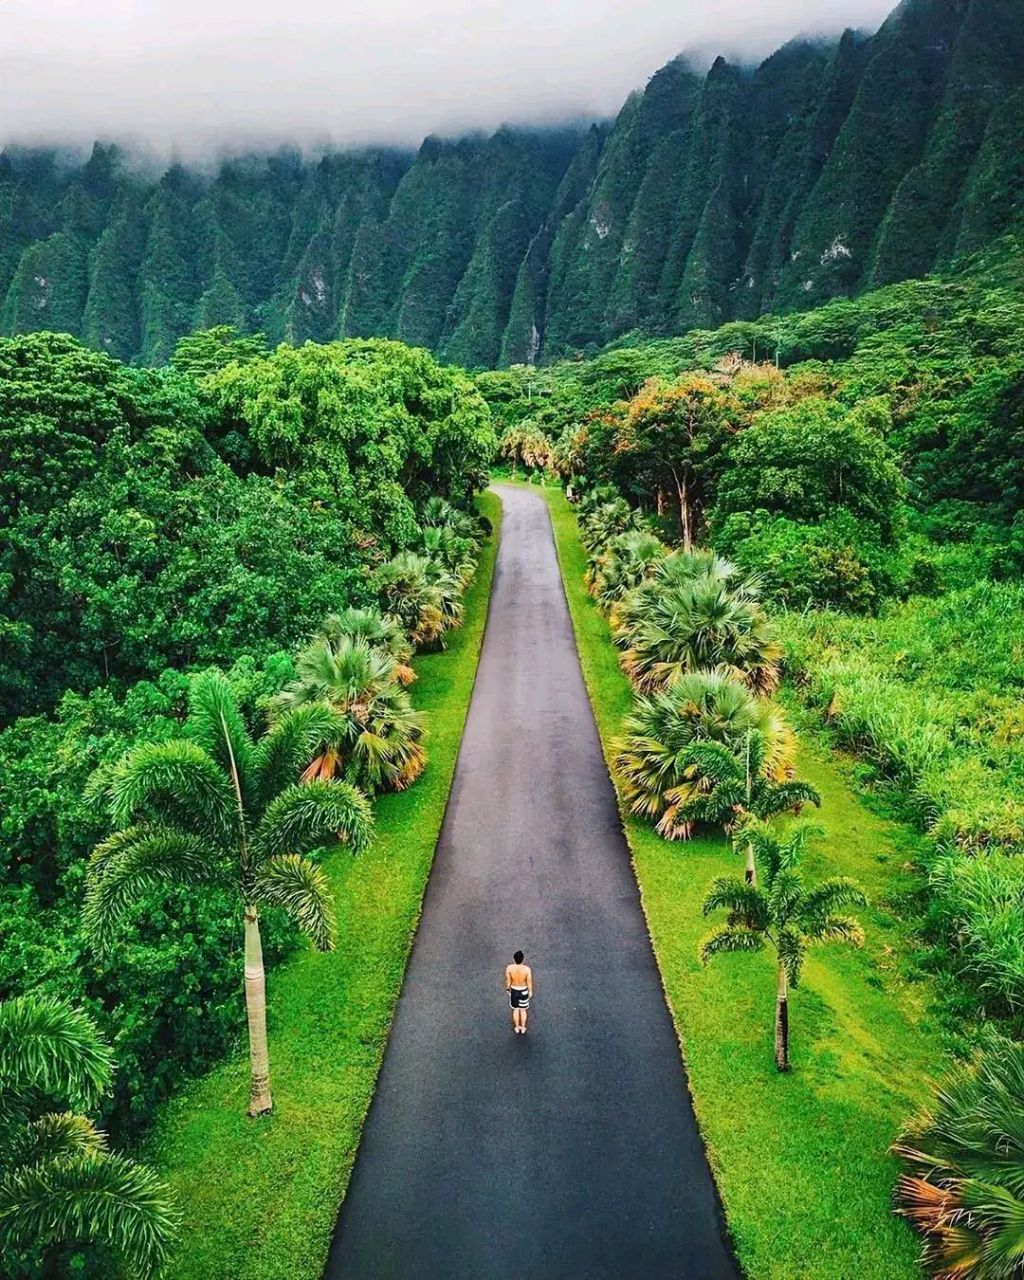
x: 570, y: 1152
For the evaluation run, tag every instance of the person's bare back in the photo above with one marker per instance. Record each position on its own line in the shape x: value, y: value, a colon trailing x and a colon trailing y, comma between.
x: 519, y: 985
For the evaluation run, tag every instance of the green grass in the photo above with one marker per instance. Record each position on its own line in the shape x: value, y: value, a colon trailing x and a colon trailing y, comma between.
x: 260, y: 1198
x: 801, y: 1160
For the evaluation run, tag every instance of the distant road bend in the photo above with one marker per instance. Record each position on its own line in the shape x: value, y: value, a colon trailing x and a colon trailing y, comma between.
x: 570, y: 1153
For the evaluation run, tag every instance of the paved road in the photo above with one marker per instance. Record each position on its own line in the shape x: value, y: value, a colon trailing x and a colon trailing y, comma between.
x: 570, y: 1153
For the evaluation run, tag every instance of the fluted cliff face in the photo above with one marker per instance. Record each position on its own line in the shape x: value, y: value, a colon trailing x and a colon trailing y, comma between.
x: 831, y: 168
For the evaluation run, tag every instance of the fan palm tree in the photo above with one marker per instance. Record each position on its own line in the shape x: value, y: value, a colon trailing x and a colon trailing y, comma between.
x: 217, y: 808
x: 735, y: 787
x: 59, y: 1182
x: 443, y: 546
x: 965, y: 1187
x: 782, y: 914
x: 408, y: 592
x: 654, y: 763
x: 703, y: 624
x: 440, y: 513
x: 679, y: 569
x: 379, y: 746
x: 379, y: 630
x: 602, y: 523
x: 623, y: 565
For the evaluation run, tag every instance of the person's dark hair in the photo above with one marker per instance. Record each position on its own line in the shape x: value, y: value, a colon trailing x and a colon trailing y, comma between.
x: 518, y: 957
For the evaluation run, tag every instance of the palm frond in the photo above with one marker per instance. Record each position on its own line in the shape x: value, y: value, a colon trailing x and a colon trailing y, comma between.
x: 289, y: 746
x: 49, y: 1047
x: 300, y: 888
x: 730, y: 938
x: 743, y: 900
x: 215, y: 722
x: 105, y: 1199
x: 830, y: 896
x: 52, y: 1136
x: 840, y: 929
x: 142, y: 858
x: 314, y: 814
x: 177, y: 781
x: 792, y: 951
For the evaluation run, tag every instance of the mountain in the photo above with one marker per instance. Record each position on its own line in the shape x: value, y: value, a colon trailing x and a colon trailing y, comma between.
x: 831, y: 168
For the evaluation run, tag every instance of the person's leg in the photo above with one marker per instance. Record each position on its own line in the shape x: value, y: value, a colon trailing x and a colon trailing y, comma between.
x: 524, y: 1012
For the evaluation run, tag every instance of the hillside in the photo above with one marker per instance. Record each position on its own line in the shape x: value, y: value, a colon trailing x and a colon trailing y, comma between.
x: 830, y: 169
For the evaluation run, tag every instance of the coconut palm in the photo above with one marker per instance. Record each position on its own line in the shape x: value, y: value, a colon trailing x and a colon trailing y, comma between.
x: 623, y: 565
x: 379, y: 744
x: 782, y: 914
x: 408, y: 591
x: 59, y: 1182
x: 965, y: 1186
x: 219, y: 809
x: 654, y: 763
x: 703, y: 624
x: 735, y: 788
x: 379, y: 630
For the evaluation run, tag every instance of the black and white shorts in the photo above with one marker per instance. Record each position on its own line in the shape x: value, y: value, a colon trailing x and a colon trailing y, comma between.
x: 518, y: 998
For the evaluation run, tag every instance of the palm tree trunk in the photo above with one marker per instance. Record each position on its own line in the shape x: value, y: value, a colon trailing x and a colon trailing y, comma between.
x: 684, y: 511
x: 260, y: 1101
x: 782, y: 1023
x: 750, y: 870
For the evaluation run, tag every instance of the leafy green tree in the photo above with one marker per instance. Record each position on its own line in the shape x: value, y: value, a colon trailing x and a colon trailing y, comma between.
x: 207, y: 351
x: 781, y: 913
x: 380, y: 745
x: 812, y: 458
x: 964, y: 1184
x: 671, y: 440
x: 218, y: 809
x: 60, y: 1184
x: 653, y: 758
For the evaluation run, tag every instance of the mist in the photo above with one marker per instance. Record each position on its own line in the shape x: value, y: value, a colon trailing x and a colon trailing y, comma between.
x: 197, y: 77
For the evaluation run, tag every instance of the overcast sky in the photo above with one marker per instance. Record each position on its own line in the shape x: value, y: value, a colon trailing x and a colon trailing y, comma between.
x: 196, y: 74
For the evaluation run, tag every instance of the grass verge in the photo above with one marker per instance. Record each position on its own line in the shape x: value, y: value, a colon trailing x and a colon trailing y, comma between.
x: 802, y: 1160
x: 261, y: 1198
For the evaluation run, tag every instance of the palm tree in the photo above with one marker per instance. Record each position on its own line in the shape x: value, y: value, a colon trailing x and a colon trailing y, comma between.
x: 379, y: 630
x: 443, y: 546
x: 623, y: 565
x: 965, y: 1187
x: 735, y: 787
x: 700, y: 625
x: 59, y: 1183
x: 782, y: 914
x: 217, y: 808
x: 423, y: 596
x: 379, y: 746
x: 602, y: 523
x: 678, y: 569
x: 654, y: 763
x: 439, y: 513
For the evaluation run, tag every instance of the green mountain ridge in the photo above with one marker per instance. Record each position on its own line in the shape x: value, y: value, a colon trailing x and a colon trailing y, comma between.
x: 831, y: 168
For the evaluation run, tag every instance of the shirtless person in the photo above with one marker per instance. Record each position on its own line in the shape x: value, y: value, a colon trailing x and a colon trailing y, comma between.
x: 519, y: 985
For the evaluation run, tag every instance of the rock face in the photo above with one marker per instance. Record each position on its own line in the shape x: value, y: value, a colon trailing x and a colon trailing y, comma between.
x: 831, y: 168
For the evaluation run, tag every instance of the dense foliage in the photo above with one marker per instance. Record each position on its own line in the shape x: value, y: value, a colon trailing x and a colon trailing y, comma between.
x: 831, y: 168
x: 234, y: 509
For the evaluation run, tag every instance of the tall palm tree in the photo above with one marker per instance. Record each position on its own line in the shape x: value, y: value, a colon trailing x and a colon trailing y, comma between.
x: 782, y: 914
x: 59, y: 1182
x: 965, y: 1186
x: 660, y: 779
x: 700, y: 625
x: 623, y: 564
x: 379, y: 745
x: 217, y: 808
x: 379, y: 630
x: 735, y: 787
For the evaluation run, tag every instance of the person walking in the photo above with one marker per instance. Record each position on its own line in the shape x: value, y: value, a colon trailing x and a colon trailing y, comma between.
x: 519, y: 985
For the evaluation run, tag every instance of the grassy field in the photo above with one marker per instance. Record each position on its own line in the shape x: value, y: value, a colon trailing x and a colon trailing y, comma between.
x: 261, y: 1197
x: 801, y: 1160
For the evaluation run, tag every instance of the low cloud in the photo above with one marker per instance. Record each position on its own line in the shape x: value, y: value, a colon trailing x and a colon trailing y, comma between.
x: 199, y: 75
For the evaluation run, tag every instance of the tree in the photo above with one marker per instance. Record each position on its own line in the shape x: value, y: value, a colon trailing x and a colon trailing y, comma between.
x: 808, y: 460
x: 207, y: 351
x: 625, y: 562
x: 217, y: 808
x: 422, y: 595
x: 660, y: 780
x: 671, y: 439
x: 736, y: 788
x: 379, y: 746
x: 381, y: 632
x: 782, y: 914
x: 59, y: 1182
x: 964, y: 1188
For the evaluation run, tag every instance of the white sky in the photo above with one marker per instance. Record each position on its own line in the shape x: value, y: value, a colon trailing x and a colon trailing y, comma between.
x: 196, y: 74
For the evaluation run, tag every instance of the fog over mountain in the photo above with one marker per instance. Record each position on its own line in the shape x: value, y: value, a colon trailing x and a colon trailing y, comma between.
x: 196, y: 76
